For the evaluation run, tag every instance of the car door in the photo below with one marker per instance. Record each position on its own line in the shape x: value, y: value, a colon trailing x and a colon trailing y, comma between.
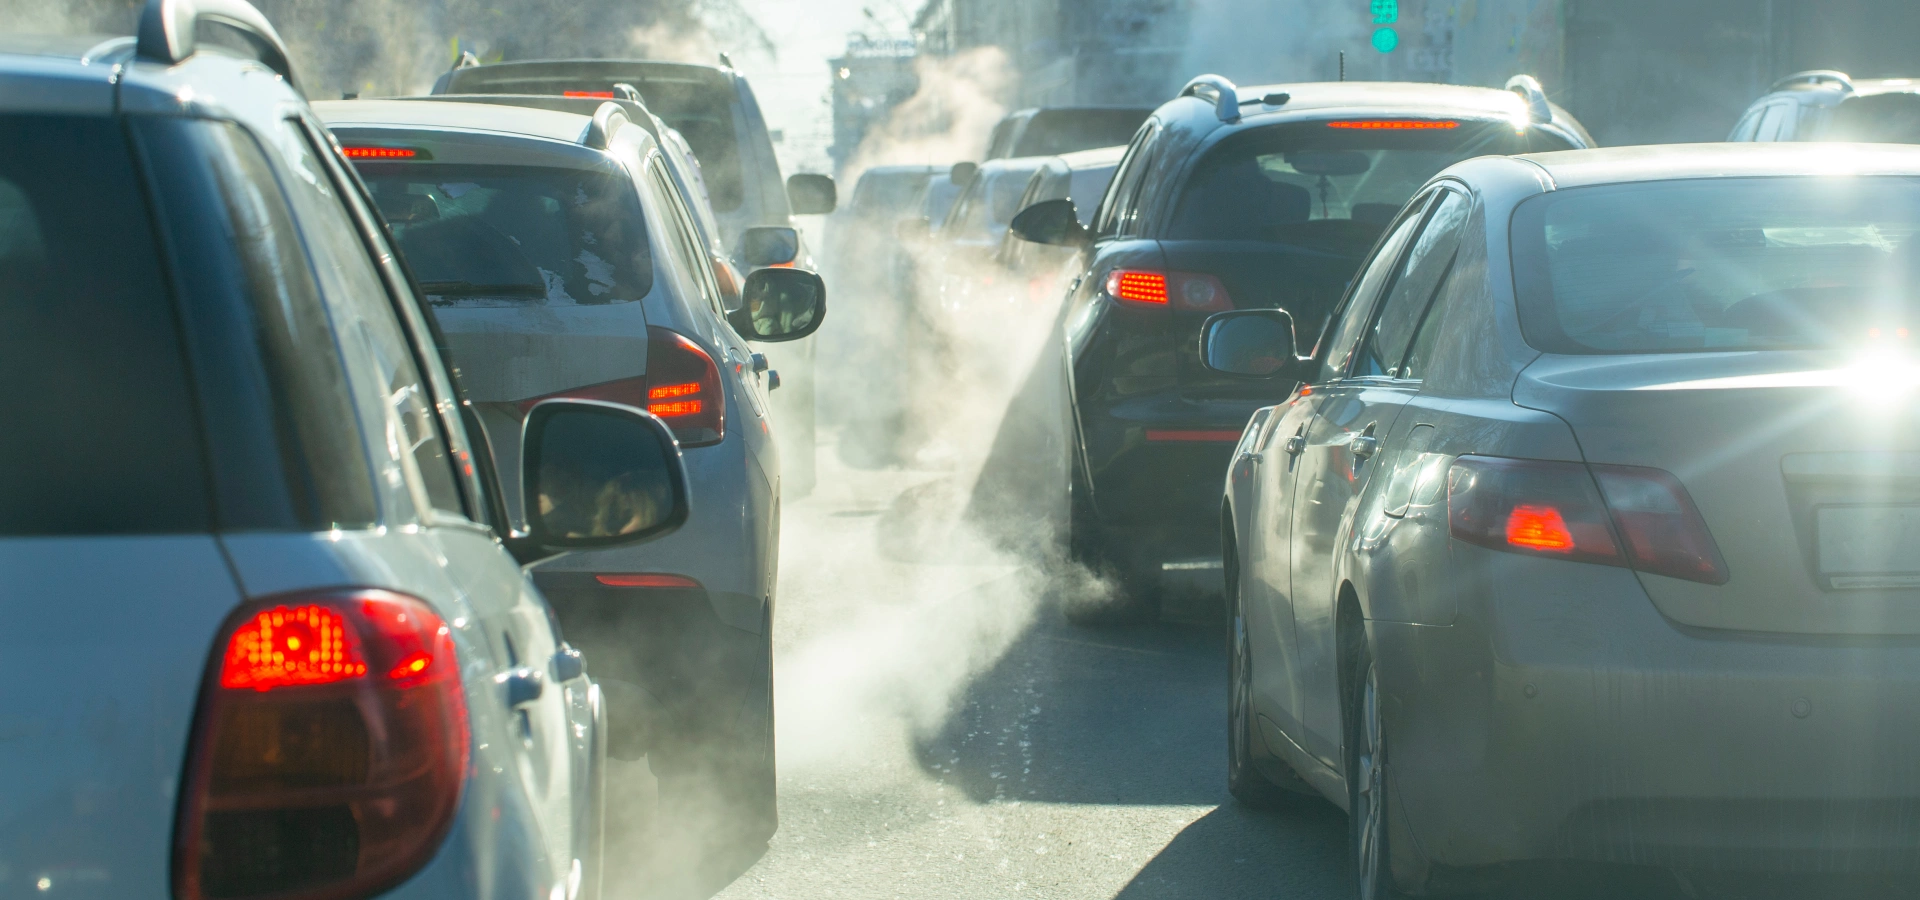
x: 1267, y: 574
x: 1353, y: 414
x: 536, y: 676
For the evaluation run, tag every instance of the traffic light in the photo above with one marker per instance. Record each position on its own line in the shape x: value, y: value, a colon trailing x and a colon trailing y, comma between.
x: 1385, y: 13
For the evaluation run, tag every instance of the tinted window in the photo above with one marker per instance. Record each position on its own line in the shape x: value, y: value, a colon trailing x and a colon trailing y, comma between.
x: 1733, y: 264
x: 515, y: 235
x: 1414, y: 281
x: 1052, y: 132
x: 404, y: 410
x: 1117, y: 202
x: 1345, y: 327
x: 888, y: 195
x: 101, y: 434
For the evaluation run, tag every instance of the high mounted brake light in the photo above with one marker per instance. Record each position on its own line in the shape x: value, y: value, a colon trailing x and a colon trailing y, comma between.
x: 598, y: 95
x: 1395, y: 125
x: 328, y: 752
x: 385, y: 153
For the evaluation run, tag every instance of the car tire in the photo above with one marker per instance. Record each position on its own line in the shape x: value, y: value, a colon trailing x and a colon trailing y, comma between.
x: 1245, y: 781
x: 1368, y: 808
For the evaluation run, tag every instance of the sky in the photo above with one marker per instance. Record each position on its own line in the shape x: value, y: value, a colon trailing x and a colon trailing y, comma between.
x: 793, y: 87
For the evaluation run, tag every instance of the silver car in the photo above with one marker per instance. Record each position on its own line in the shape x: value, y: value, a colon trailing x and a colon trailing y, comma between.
x: 561, y: 260
x: 1592, y: 533
x: 273, y: 636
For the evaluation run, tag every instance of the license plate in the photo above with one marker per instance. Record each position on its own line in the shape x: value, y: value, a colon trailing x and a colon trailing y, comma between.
x: 1870, y: 546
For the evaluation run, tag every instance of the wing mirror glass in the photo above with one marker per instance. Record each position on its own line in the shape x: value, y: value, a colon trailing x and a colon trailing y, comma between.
x: 1051, y: 222
x: 1252, y: 343
x: 962, y: 172
x: 811, y: 195
x: 600, y: 475
x: 781, y: 305
x: 769, y: 245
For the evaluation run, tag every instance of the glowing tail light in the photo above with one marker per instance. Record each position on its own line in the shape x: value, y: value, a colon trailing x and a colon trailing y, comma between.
x: 597, y: 95
x: 646, y: 580
x: 1624, y: 516
x: 1394, y: 125
x: 328, y: 753
x: 682, y: 386
x: 1179, y: 291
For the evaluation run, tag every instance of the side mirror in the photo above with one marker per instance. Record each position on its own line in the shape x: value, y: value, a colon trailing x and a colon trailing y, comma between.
x: 599, y: 475
x: 781, y: 305
x: 770, y: 245
x: 1251, y: 343
x: 811, y: 195
x: 962, y: 172
x: 1051, y: 222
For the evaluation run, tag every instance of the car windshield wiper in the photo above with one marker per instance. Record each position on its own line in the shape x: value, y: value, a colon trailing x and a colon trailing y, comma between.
x: 469, y: 289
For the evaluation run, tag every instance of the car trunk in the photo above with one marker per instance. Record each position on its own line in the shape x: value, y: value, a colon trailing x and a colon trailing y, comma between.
x: 108, y: 639
x: 1806, y: 472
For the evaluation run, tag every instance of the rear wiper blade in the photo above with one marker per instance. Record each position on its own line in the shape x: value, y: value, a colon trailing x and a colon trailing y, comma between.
x: 469, y: 289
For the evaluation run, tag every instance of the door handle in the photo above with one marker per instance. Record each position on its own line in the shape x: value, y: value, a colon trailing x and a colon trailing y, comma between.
x: 521, y: 685
x: 759, y: 362
x: 568, y: 664
x: 1298, y: 443
x: 1366, y: 445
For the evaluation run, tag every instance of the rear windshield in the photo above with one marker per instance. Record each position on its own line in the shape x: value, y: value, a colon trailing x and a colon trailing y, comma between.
x: 515, y: 235
x: 100, y: 434
x: 1880, y: 119
x: 1724, y: 264
x: 888, y: 194
x: 991, y: 201
x: 1327, y: 185
x: 1053, y: 132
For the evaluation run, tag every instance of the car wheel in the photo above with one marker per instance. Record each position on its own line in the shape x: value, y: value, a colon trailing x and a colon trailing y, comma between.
x: 1244, y: 780
x: 1367, y: 785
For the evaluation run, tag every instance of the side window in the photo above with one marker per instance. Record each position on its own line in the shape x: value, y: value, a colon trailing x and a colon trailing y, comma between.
x: 1775, y: 122
x: 1412, y: 288
x: 364, y: 316
x: 1744, y: 130
x: 1117, y: 204
x: 688, y: 234
x: 1344, y: 327
x: 1421, y: 353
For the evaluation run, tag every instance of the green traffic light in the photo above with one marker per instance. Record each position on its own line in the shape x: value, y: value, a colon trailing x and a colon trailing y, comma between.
x: 1385, y: 40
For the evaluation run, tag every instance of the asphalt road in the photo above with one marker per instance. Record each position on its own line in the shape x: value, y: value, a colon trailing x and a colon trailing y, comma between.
x: 944, y: 731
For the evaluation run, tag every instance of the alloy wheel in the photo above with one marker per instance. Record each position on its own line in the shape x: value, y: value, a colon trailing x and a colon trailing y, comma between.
x: 1369, y: 793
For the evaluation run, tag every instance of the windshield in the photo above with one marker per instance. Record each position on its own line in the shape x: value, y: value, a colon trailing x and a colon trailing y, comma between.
x: 1736, y: 264
x: 515, y: 235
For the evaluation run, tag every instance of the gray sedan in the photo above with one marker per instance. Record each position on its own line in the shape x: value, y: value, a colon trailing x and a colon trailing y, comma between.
x: 1591, y: 535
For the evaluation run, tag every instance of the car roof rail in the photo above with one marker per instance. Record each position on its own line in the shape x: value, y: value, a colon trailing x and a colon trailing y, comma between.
x: 168, y: 29
x: 1815, y: 77
x: 1226, y: 97
x: 466, y: 60
x: 606, y: 120
x: 1528, y: 87
x: 626, y: 91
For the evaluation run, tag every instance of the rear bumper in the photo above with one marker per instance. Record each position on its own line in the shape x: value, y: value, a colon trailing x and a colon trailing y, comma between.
x: 1569, y: 721
x: 1156, y: 470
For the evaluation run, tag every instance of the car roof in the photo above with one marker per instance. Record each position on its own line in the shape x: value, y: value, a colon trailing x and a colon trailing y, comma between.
x: 1094, y: 159
x: 1668, y: 162
x: 902, y: 170
x: 1382, y: 96
x: 1021, y: 164
x: 515, y: 120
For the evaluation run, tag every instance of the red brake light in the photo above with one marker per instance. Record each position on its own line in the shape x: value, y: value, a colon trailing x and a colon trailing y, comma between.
x: 599, y: 95
x: 682, y: 386
x: 1395, y: 125
x: 1539, y: 528
x: 380, y: 152
x: 1148, y: 288
x: 1554, y: 508
x: 309, y: 775
x: 647, y: 580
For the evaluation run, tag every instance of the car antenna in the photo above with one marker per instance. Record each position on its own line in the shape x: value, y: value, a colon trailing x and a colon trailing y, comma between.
x: 1343, y: 65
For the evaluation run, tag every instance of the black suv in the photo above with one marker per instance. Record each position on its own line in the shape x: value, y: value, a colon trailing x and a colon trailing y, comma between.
x: 1229, y: 199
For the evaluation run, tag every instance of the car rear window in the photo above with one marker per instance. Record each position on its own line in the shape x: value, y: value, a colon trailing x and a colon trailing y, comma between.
x: 101, y: 435
x: 991, y: 202
x: 515, y: 235
x: 1056, y: 131
x: 1328, y: 185
x: 1879, y: 119
x: 1719, y: 265
x: 888, y: 194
